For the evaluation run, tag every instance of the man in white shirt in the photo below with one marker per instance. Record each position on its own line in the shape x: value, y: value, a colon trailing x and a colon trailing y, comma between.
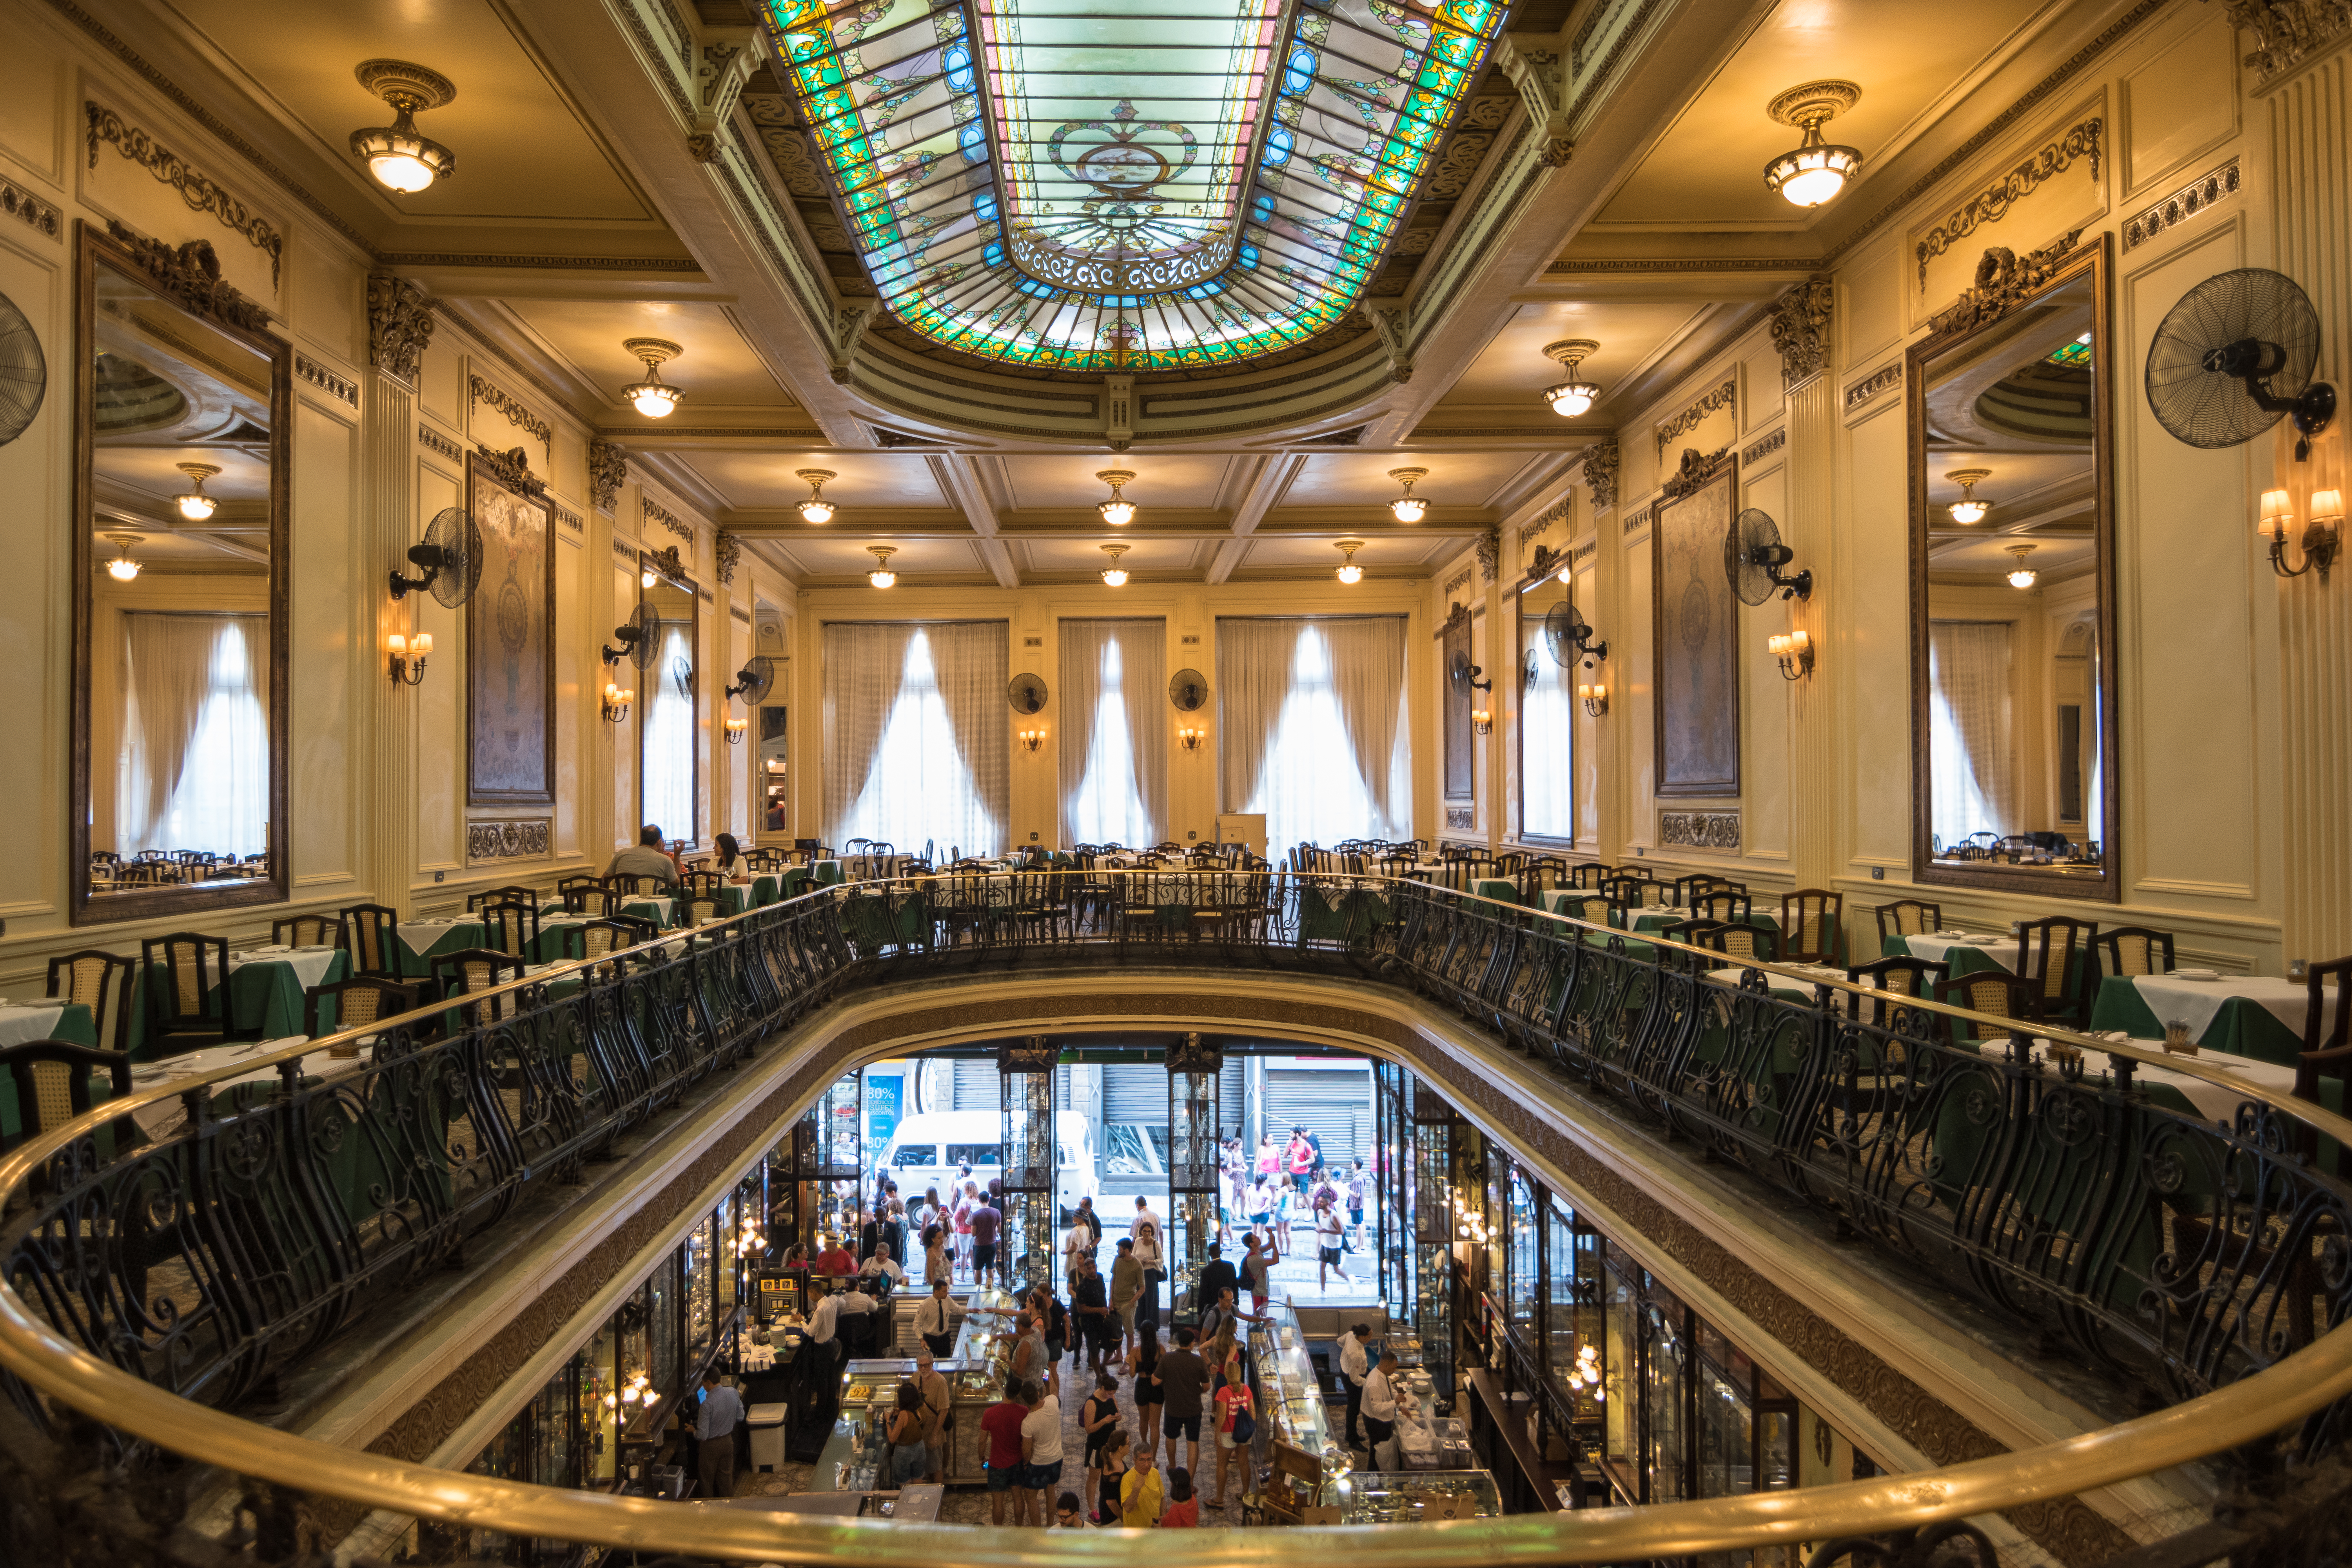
x: 1380, y: 1404
x: 882, y: 1263
x: 1041, y: 1455
x: 857, y: 1307
x: 935, y: 1320
x: 1147, y: 1230
x: 1077, y: 1242
x: 1353, y: 1371
x: 825, y: 1319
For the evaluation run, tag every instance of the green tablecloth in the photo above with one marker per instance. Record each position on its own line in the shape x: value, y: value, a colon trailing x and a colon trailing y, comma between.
x: 1500, y: 888
x: 828, y: 872
x: 454, y: 938
x: 76, y: 1026
x: 647, y: 910
x: 265, y: 995
x: 1357, y: 911
x: 2242, y: 1028
x: 1965, y: 959
x: 793, y: 883
x: 765, y: 889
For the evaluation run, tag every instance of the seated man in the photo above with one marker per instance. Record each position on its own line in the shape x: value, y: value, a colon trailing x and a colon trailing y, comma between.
x: 882, y: 1263
x: 646, y: 858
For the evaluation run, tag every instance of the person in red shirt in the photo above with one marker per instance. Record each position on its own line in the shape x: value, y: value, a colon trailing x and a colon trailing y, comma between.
x: 833, y: 1259
x: 1183, y: 1510
x: 1001, y: 1423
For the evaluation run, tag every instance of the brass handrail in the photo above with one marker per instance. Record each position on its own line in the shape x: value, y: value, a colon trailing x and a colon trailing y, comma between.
x: 2252, y: 1408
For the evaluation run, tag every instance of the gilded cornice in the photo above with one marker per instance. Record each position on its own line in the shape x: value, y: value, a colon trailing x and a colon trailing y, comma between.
x: 1992, y: 204
x: 200, y: 191
x: 481, y: 391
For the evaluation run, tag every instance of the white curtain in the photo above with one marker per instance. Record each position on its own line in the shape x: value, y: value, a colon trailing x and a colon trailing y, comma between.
x: 1971, y: 747
x: 917, y: 749
x: 1325, y: 760
x: 1114, y: 746
x: 196, y: 733
x: 669, y: 737
x: 1546, y: 743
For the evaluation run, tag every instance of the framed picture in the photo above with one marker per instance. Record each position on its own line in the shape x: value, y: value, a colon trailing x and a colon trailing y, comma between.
x: 511, y: 637
x: 1696, y: 640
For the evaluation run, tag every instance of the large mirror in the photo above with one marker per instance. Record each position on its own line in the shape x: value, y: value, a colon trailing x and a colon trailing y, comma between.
x: 1551, y: 664
x: 2012, y: 591
x: 668, y: 740
x: 180, y: 580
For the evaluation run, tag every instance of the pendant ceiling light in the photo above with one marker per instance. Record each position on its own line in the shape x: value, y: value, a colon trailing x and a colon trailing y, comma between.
x: 195, y: 505
x: 2021, y: 575
x: 1814, y: 170
x: 816, y: 509
x: 1408, y: 507
x: 653, y: 397
x: 1350, y: 572
x: 882, y: 576
x: 399, y: 157
x: 1115, y: 576
x: 1117, y: 511
x: 1573, y: 396
x: 1968, y: 509
x: 123, y: 568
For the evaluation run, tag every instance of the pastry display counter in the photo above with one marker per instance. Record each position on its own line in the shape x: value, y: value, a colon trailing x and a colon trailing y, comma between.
x: 1289, y: 1399
x: 1419, y: 1497
x: 868, y: 1394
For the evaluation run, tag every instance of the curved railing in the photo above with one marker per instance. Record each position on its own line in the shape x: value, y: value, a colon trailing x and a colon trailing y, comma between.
x: 147, y: 1285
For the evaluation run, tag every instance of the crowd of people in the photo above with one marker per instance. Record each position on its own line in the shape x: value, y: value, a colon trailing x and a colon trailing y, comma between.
x: 1288, y: 1186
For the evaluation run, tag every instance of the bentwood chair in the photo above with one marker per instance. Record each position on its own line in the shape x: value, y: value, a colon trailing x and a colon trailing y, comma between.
x: 1990, y: 992
x: 52, y: 1082
x: 374, y: 947
x: 1812, y: 921
x: 516, y: 895
x: 581, y: 882
x: 187, y: 991
x: 478, y: 969
x: 358, y: 1002
x: 594, y: 899
x: 1741, y: 942
x: 1891, y: 978
x: 2058, y: 955
x: 310, y: 930
x: 2135, y: 950
x: 1726, y: 904
x: 2327, y: 1042
x: 1907, y: 917
x: 509, y: 928
x: 105, y: 983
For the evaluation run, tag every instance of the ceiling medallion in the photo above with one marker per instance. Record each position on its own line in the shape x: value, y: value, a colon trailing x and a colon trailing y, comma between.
x: 400, y: 157
x: 1814, y: 171
x: 1573, y: 396
x: 654, y: 397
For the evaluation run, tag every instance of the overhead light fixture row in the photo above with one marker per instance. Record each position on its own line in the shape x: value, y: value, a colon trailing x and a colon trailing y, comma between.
x: 400, y: 157
x: 1115, y: 576
x: 816, y: 509
x: 882, y: 576
x: 1117, y: 511
x: 195, y: 505
x: 654, y: 397
x: 1350, y: 572
x: 1968, y: 508
x: 1408, y: 507
x: 1574, y: 396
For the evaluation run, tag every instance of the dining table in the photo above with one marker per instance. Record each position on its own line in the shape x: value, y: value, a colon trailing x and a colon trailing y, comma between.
x: 265, y: 987
x: 421, y: 941
x: 2257, y: 1016
x: 22, y: 1022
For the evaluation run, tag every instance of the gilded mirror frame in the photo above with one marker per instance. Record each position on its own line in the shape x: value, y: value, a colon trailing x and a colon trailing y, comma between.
x: 666, y: 566
x: 186, y: 279
x: 2005, y: 285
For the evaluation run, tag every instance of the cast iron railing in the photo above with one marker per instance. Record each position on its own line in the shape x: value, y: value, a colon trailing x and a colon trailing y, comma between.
x: 148, y: 1280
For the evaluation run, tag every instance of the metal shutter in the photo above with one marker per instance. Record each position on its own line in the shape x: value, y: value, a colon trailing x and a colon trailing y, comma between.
x: 1336, y: 1104
x: 1135, y: 1091
x: 978, y: 1086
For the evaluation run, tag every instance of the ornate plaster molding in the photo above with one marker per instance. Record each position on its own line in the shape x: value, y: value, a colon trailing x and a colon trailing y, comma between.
x: 727, y: 554
x: 190, y: 273
x: 1696, y: 468
x: 482, y: 391
x: 2288, y: 32
x: 608, y: 470
x: 400, y: 326
x: 1601, y: 472
x: 654, y: 512
x: 1556, y: 512
x: 432, y: 440
x: 1541, y: 78
x: 1461, y: 818
x: 1451, y: 584
x: 849, y: 325
x: 1392, y: 322
x: 2002, y: 280
x: 1490, y: 551
x: 1700, y: 829
x: 1724, y: 397
x: 1884, y: 378
x: 1764, y: 446
x: 25, y: 207
x: 1992, y: 204
x: 1800, y: 329
x: 2182, y: 204
x: 200, y: 191
x: 515, y: 839
x: 569, y: 519
x: 326, y: 380
x: 513, y: 469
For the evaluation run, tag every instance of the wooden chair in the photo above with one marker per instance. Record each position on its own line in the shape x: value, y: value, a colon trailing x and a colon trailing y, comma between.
x: 580, y: 881
x: 374, y: 945
x: 1811, y: 921
x: 1689, y: 889
x: 187, y: 1001
x: 52, y: 1083
x: 478, y: 969
x: 2057, y: 953
x: 358, y: 1002
x: 702, y: 879
x: 595, y: 899
x: 1907, y: 917
x: 516, y: 895
x: 2135, y: 950
x: 310, y: 930
x: 1986, y: 991
x: 509, y: 928
x: 638, y: 884
x: 1724, y: 904
x: 1741, y: 942
x: 105, y: 984
x: 2326, y: 1043
x: 1893, y: 977
x: 698, y: 907
x: 596, y: 939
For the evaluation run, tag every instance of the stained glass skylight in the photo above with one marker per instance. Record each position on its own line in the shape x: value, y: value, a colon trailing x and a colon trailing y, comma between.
x: 1127, y: 185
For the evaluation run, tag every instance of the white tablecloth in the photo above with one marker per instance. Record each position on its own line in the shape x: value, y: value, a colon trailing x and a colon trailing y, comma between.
x: 1933, y: 948
x: 21, y: 1025
x: 418, y: 935
x: 2195, y: 1002
x: 162, y: 1118
x: 2214, y: 1101
x: 310, y: 964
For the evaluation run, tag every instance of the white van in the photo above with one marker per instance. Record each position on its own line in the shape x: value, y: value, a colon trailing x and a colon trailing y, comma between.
x: 933, y: 1149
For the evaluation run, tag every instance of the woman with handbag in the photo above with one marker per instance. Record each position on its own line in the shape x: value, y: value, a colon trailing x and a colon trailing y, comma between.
x: 1236, y: 1425
x: 911, y: 1456
x: 939, y: 1412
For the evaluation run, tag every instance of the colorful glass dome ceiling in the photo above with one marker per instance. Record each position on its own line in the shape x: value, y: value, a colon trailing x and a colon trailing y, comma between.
x: 1127, y: 185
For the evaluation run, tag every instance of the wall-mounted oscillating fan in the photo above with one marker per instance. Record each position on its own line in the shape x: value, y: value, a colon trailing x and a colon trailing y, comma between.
x: 1753, y: 556
x: 2234, y: 357
x: 681, y: 675
x: 1187, y: 690
x: 24, y: 372
x: 754, y: 680
x: 1464, y: 674
x: 1568, y: 636
x: 639, y: 636
x: 1026, y: 693
x: 450, y: 557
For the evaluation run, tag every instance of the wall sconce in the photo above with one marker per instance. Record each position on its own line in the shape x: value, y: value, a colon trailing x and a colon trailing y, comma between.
x: 1190, y: 736
x: 1795, y: 652
x: 1482, y: 721
x: 2322, y: 536
x: 1031, y: 739
x: 1595, y: 699
x: 616, y: 702
x: 735, y: 728
x: 407, y: 657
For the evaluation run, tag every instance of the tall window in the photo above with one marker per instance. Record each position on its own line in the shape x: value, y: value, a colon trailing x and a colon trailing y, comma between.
x: 669, y: 737
x: 1313, y: 727
x: 196, y: 769
x: 1970, y: 731
x: 917, y: 739
x: 1547, y: 746
x: 1114, y: 751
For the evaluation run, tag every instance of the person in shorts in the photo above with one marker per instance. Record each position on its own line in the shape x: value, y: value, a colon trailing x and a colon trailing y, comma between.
x: 1184, y: 1384
x: 1330, y: 1231
x: 985, y: 1219
x: 1001, y: 1425
x: 1040, y: 1454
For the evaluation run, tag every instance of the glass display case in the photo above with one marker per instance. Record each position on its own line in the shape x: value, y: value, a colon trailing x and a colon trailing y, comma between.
x: 1417, y: 1497
x: 1289, y: 1398
x: 600, y: 1407
x: 698, y: 1298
